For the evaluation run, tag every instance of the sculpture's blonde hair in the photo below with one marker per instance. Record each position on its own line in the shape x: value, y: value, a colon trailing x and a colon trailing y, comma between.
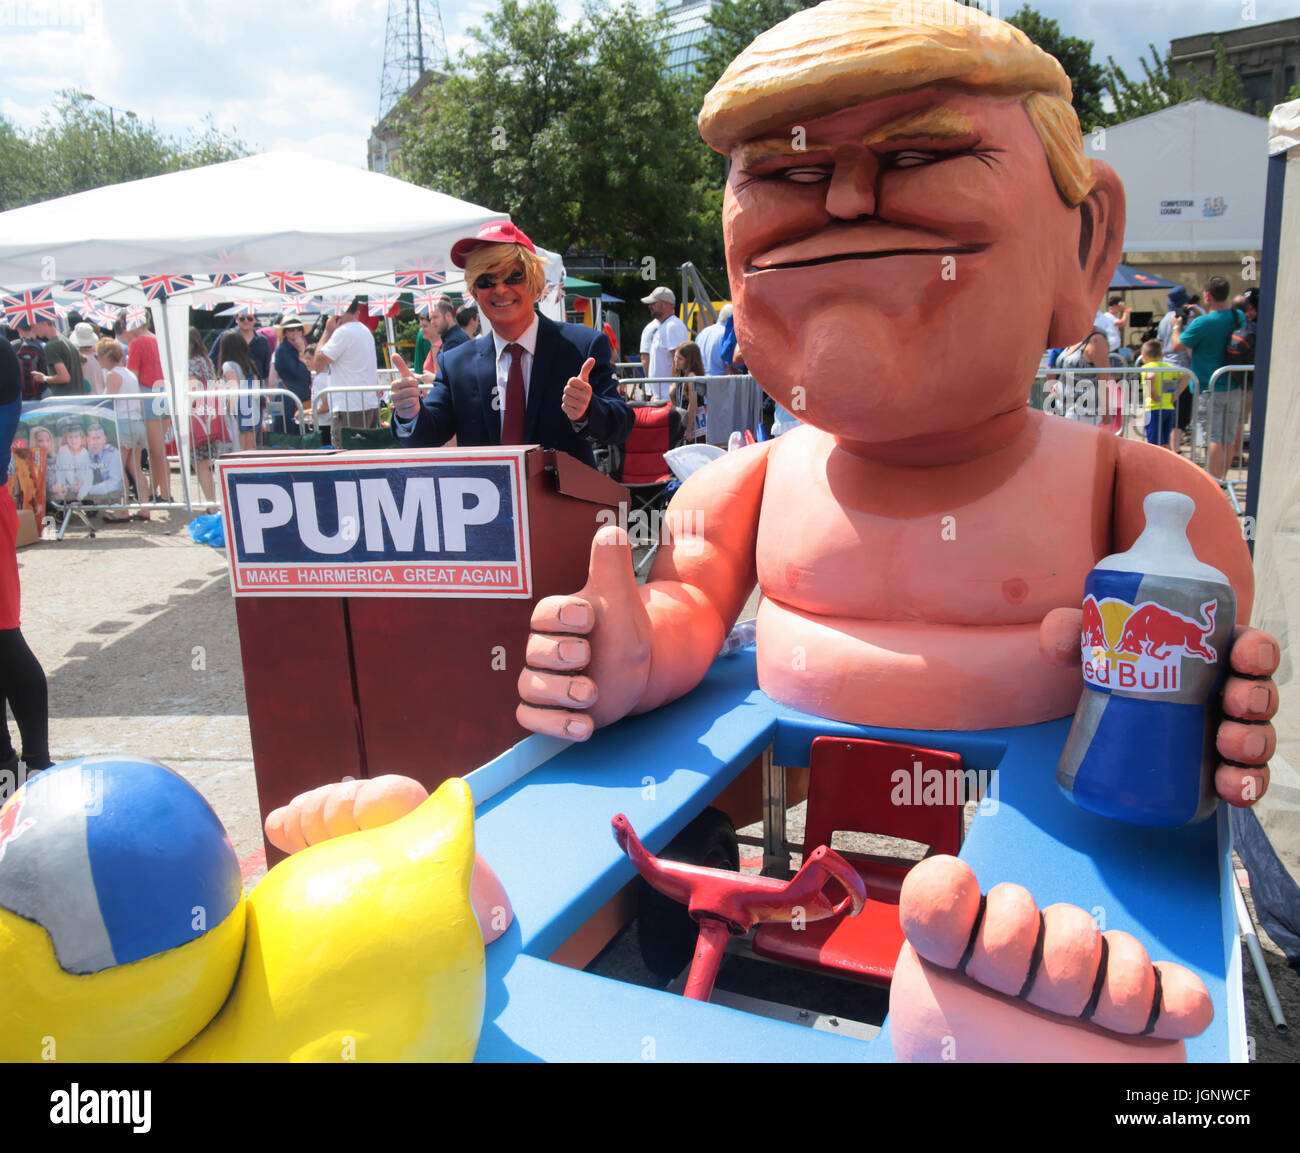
x: 500, y: 259
x: 847, y: 52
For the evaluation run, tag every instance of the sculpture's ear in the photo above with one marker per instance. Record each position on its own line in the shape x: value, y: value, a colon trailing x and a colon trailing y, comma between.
x: 1085, y: 275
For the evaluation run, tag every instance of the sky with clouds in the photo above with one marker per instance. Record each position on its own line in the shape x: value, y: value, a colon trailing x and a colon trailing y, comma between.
x: 307, y: 76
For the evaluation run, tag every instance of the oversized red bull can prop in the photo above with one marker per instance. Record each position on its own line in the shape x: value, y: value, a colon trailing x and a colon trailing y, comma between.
x: 1157, y: 626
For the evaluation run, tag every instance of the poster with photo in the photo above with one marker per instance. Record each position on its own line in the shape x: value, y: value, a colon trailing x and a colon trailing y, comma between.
x: 27, y: 479
x: 80, y: 444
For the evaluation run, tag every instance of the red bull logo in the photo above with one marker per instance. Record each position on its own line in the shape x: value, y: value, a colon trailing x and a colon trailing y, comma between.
x: 10, y: 827
x: 1142, y: 646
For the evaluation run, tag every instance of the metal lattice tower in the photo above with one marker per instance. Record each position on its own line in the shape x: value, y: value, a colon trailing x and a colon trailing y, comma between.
x: 413, y: 43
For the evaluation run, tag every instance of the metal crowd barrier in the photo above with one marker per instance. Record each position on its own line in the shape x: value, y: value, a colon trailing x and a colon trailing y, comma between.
x: 634, y: 387
x: 1113, y: 397
x: 1204, y: 426
x: 382, y: 390
x: 120, y: 500
x: 1108, y: 395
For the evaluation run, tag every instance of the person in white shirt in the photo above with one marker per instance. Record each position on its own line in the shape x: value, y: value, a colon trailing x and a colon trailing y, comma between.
x: 348, y: 353
x: 660, y: 337
x: 1111, y: 321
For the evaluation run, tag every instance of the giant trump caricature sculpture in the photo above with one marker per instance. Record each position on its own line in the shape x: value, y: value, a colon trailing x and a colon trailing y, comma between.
x: 922, y: 542
x: 895, y: 169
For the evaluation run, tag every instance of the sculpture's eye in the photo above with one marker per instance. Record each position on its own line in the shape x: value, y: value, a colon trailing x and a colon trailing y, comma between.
x: 914, y: 158
x: 808, y: 174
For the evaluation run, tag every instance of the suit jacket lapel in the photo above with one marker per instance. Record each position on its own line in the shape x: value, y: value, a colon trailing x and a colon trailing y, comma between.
x: 485, y: 365
x: 548, y: 344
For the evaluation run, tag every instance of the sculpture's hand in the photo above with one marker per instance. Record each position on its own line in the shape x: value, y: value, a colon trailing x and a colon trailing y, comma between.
x: 350, y: 806
x: 345, y: 807
x: 588, y: 656
x: 1246, y: 739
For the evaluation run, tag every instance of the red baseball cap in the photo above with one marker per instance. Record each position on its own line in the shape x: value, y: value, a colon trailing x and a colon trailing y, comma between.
x: 498, y: 232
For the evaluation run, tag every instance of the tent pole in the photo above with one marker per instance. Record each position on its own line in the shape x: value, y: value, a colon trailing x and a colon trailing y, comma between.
x: 177, y: 392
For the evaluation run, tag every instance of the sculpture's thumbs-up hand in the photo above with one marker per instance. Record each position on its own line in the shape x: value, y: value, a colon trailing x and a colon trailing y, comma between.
x: 588, y: 657
x: 577, y: 392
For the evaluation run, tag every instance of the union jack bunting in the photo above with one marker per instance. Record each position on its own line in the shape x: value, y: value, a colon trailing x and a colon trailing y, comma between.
x: 287, y: 281
x: 426, y: 302
x: 93, y: 310
x: 335, y: 305
x: 29, y: 306
x: 303, y: 304
x: 419, y: 278
x: 165, y: 284
x: 254, y: 306
x: 220, y: 279
x: 381, y: 302
x: 136, y: 316
x: 86, y: 283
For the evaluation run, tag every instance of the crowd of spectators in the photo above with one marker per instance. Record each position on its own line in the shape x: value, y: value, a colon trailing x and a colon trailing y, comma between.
x: 1180, y: 355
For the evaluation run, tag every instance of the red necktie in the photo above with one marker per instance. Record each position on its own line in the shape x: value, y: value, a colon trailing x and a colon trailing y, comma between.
x: 512, y: 426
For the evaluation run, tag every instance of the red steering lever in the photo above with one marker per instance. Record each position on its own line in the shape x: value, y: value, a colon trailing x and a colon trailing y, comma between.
x: 726, y: 903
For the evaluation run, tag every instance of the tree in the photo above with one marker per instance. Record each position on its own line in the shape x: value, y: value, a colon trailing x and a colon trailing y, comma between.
x: 1133, y: 98
x: 1222, y: 85
x: 576, y: 132
x: 1162, y: 89
x: 84, y: 145
x: 1075, y: 56
x: 734, y: 25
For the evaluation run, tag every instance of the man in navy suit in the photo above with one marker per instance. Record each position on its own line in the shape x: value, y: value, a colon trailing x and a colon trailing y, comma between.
x: 530, y: 381
x: 444, y: 320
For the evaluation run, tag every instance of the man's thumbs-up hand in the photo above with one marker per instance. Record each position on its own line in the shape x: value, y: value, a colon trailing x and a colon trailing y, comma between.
x: 588, y: 657
x: 577, y: 393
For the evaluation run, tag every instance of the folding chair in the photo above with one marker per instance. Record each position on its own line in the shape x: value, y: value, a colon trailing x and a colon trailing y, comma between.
x: 870, y: 787
x: 640, y: 467
x: 642, y: 470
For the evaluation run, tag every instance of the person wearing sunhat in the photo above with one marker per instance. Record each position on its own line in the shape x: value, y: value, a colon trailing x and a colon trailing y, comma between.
x: 294, y: 373
x: 83, y: 339
x: 528, y: 381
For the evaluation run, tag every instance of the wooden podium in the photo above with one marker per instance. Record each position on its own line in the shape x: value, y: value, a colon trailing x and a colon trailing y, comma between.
x: 418, y: 682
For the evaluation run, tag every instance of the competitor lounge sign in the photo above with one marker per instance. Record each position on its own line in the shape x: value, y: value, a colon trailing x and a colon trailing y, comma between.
x: 392, y: 523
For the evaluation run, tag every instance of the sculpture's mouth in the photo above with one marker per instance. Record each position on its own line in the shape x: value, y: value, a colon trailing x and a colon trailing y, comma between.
x: 861, y: 241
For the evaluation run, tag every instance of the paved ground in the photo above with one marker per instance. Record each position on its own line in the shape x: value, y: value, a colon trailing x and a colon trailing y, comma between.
x: 136, y: 631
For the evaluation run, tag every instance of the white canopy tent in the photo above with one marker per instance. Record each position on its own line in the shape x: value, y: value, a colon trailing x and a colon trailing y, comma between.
x: 1193, y: 177
x: 277, y: 211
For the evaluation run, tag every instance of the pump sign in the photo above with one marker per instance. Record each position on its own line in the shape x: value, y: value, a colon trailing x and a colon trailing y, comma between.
x: 393, y: 523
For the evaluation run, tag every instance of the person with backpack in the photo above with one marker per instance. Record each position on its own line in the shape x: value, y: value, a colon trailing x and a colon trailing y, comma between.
x: 1076, y: 397
x: 1208, y: 338
x: 1241, y: 351
x: 31, y: 361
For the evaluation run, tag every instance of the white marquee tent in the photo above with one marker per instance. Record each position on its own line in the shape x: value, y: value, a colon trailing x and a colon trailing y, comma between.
x: 1193, y: 177
x: 277, y: 211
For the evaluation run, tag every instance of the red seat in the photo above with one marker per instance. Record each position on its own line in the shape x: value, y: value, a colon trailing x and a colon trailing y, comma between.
x: 643, y: 454
x: 856, y: 786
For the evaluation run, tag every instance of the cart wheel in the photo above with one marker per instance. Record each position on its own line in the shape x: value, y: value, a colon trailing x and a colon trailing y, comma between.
x: 665, y: 930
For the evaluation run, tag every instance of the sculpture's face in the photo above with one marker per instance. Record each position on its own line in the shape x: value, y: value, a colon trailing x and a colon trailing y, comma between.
x: 871, y: 253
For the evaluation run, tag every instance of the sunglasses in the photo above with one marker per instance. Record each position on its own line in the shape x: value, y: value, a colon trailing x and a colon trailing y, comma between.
x: 250, y: 319
x: 486, y: 282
